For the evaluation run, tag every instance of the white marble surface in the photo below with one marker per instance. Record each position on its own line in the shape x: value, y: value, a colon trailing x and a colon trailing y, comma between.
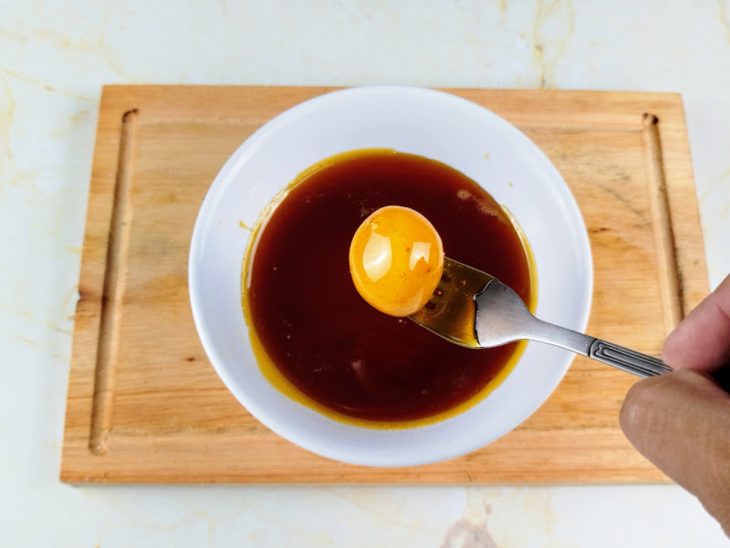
x: 54, y: 56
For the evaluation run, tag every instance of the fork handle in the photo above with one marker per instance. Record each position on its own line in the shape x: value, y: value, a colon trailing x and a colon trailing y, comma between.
x: 627, y: 359
x: 597, y: 349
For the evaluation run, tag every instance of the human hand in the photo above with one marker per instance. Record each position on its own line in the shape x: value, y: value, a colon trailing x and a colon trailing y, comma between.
x: 681, y: 420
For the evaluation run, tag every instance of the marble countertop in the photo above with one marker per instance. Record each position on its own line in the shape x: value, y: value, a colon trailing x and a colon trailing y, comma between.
x: 54, y: 57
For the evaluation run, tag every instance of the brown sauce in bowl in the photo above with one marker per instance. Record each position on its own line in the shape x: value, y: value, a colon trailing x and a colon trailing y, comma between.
x: 337, y: 353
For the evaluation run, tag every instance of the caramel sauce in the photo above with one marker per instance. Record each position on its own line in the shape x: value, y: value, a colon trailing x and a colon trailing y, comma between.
x: 318, y: 341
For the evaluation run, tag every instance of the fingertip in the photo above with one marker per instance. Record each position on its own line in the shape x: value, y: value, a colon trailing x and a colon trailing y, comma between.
x: 629, y: 409
x: 638, y: 404
x: 674, y: 350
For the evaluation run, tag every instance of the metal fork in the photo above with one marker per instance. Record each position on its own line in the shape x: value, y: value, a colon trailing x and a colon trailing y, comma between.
x: 476, y: 310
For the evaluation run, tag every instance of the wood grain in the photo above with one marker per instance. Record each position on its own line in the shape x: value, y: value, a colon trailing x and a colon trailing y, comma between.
x: 144, y: 405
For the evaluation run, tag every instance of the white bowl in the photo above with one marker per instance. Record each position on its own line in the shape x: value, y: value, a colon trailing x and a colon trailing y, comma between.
x: 433, y: 124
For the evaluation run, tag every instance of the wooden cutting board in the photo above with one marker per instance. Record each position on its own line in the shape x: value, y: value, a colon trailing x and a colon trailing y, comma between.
x: 144, y: 404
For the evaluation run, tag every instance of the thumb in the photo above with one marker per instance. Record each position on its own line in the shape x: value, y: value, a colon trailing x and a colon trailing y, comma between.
x: 681, y: 422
